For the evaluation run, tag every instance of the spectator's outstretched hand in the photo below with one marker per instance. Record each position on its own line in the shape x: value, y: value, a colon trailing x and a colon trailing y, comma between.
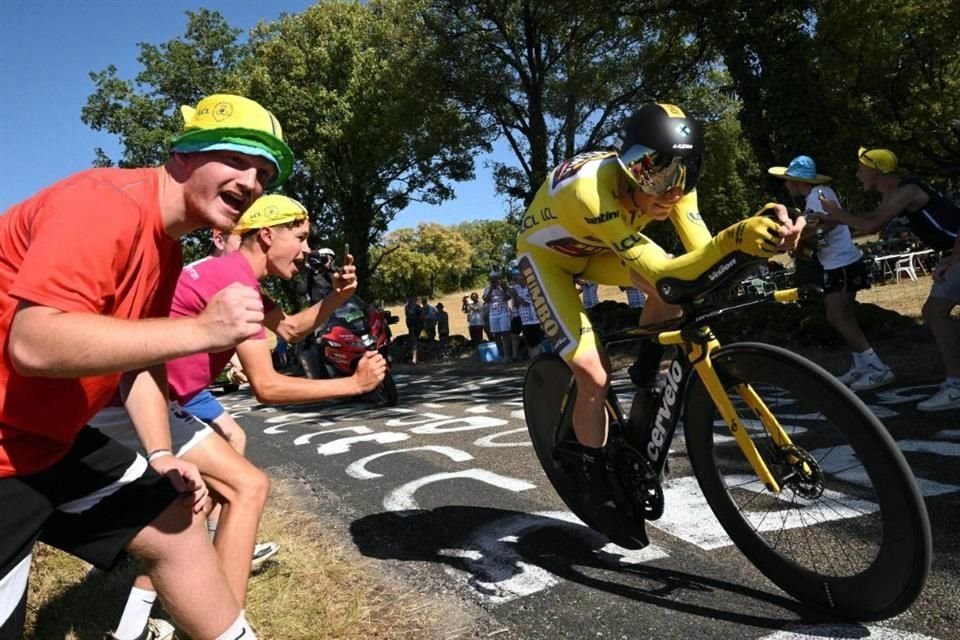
x: 789, y: 230
x: 234, y: 314
x: 345, y: 279
x: 830, y: 206
x: 236, y: 375
x: 371, y: 369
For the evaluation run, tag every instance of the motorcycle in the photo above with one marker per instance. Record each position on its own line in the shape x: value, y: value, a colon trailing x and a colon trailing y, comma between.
x: 353, y: 328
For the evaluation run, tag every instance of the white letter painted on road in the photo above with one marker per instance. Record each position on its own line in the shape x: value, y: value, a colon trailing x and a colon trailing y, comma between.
x: 401, y: 498
x: 358, y: 469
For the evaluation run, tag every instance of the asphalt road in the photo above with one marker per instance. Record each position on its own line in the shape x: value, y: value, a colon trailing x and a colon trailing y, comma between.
x: 445, y: 492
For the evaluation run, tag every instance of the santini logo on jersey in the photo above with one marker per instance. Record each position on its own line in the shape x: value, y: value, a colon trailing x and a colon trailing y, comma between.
x: 606, y: 216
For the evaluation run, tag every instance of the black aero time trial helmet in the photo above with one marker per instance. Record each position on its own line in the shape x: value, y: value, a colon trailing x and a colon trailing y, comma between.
x: 661, y: 148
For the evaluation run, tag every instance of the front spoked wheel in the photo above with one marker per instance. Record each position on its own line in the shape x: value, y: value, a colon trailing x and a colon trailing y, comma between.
x: 848, y: 532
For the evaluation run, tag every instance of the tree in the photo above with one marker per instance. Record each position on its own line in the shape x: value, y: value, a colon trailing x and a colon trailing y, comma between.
x: 556, y: 77
x: 493, y: 243
x: 731, y: 185
x: 144, y: 113
x: 899, y: 60
x: 821, y: 78
x: 357, y: 88
x: 424, y: 261
x: 361, y: 95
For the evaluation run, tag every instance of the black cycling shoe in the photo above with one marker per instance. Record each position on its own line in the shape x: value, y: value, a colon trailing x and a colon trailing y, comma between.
x: 611, y: 512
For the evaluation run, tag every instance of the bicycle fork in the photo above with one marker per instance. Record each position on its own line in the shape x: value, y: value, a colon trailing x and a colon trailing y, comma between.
x: 698, y: 350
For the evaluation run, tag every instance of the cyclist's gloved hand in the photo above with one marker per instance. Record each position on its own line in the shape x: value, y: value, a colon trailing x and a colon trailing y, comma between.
x: 756, y: 236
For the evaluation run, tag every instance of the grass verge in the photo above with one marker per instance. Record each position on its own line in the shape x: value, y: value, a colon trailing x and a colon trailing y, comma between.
x: 318, y: 588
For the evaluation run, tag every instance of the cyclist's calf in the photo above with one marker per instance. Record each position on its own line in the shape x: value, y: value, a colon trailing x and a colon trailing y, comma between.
x: 589, y: 414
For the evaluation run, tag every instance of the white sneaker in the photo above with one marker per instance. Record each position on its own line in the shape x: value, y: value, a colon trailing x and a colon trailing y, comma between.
x: 946, y: 398
x: 873, y: 378
x: 263, y: 552
x: 159, y: 629
x: 853, y: 375
x: 156, y: 629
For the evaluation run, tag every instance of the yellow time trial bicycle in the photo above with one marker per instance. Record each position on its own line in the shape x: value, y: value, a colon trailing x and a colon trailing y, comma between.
x: 803, y: 477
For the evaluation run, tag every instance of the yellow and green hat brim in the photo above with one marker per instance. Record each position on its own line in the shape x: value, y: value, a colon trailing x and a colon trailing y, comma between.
x: 200, y: 140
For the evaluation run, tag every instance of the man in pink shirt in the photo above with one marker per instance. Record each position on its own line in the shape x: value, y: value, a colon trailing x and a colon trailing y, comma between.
x: 273, y: 234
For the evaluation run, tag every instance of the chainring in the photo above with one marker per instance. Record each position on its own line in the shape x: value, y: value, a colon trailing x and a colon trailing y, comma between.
x: 641, y: 483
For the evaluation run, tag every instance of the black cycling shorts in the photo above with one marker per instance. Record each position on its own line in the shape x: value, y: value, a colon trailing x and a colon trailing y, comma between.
x: 850, y: 278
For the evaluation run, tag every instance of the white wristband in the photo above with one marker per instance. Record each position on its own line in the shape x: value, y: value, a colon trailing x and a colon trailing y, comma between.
x: 159, y: 453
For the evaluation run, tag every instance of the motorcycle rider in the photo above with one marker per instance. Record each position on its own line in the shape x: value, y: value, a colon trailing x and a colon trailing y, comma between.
x: 317, y: 284
x: 319, y: 277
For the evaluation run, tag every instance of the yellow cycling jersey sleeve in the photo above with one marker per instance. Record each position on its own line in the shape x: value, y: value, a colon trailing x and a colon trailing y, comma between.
x: 577, y: 213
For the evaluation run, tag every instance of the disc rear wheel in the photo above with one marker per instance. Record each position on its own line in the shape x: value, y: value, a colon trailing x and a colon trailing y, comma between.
x: 548, y: 401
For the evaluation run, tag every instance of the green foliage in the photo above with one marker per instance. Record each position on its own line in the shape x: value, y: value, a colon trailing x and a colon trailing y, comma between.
x: 556, y: 77
x: 822, y: 78
x: 423, y: 261
x: 387, y: 102
x: 494, y: 244
x: 144, y: 113
x: 433, y: 259
x: 361, y: 95
x: 357, y: 88
x: 891, y: 78
x: 729, y: 189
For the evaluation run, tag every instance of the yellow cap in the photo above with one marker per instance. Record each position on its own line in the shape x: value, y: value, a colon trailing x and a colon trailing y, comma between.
x: 231, y: 119
x: 269, y: 211
x: 882, y: 160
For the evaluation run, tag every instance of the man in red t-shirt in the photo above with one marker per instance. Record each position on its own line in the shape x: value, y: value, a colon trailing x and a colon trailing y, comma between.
x: 87, y: 272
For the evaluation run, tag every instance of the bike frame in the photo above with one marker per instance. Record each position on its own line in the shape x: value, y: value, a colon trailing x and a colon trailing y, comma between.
x: 697, y: 343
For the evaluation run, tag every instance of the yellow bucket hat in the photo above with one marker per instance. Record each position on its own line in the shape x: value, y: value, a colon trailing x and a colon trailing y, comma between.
x: 228, y: 122
x: 882, y: 160
x: 270, y: 211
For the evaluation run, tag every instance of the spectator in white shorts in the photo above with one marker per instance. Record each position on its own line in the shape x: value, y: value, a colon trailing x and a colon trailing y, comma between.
x: 843, y: 271
x: 497, y: 296
x: 274, y: 234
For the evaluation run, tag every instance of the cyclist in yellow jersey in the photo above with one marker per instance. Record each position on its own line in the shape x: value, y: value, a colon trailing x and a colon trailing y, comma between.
x: 586, y: 221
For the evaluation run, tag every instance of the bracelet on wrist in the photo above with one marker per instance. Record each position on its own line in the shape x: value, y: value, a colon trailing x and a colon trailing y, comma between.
x: 158, y: 453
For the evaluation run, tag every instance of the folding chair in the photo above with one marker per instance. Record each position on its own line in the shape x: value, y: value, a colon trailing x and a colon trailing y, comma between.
x: 905, y: 265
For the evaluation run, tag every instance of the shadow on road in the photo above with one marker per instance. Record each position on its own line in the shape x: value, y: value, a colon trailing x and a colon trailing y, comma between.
x: 494, y: 547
